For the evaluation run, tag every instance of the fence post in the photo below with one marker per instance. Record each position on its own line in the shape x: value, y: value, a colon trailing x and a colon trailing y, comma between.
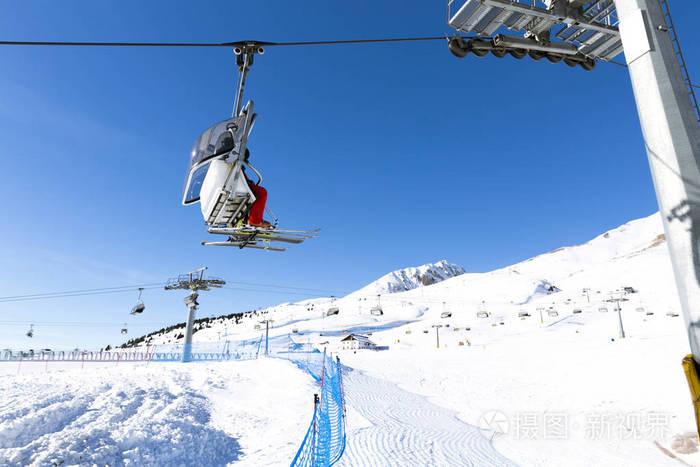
x: 340, y: 386
x: 83, y: 364
x: 151, y: 355
x: 314, y: 437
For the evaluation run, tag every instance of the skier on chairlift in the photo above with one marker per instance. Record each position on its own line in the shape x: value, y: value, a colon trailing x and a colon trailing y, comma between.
x: 225, y: 143
x: 255, y: 218
x: 231, y: 203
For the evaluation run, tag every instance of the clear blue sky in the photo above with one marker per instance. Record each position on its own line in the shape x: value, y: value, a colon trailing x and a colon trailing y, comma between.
x: 402, y: 154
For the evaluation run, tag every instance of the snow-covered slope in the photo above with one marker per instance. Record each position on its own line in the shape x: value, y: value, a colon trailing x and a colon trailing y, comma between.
x: 521, y: 343
x: 633, y: 254
x: 638, y: 237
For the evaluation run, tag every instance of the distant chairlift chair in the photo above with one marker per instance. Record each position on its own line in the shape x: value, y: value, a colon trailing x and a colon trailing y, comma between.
x: 377, y: 309
x: 138, y: 308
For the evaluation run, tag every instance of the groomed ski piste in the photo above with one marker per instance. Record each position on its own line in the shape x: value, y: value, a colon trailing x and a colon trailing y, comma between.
x: 505, y: 387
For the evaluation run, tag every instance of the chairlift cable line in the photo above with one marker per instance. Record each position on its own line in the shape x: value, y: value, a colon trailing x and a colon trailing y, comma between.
x: 130, y: 287
x: 216, y: 44
x: 276, y: 289
x: 150, y: 286
x: 75, y: 324
x: 50, y: 297
x: 21, y: 298
x: 625, y: 66
x: 267, y: 288
x: 237, y: 43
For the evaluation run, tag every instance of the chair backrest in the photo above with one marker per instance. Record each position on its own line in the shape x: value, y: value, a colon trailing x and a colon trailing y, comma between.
x: 225, y: 197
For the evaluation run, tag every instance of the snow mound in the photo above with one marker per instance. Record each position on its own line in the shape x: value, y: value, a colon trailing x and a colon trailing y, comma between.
x: 159, y: 414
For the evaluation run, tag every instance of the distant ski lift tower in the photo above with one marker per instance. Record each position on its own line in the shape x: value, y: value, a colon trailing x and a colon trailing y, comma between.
x: 193, y: 281
x: 437, y: 334
x: 617, y: 297
x: 267, y: 334
x: 580, y: 30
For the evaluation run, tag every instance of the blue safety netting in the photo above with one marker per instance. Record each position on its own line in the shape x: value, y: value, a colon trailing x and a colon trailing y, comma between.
x: 198, y: 351
x: 209, y: 351
x: 324, y: 442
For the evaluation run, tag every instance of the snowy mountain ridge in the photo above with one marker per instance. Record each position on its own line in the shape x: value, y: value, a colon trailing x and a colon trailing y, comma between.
x: 411, y: 278
x: 626, y: 241
x: 629, y: 255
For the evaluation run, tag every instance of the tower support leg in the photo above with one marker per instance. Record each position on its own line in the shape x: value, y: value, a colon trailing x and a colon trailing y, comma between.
x: 191, y: 302
x: 672, y: 141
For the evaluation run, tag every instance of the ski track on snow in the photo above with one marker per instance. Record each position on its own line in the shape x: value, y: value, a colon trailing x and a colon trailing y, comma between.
x: 408, y: 430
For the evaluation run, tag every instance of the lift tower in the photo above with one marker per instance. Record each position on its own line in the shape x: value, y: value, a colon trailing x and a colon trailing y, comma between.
x: 579, y: 32
x: 193, y: 281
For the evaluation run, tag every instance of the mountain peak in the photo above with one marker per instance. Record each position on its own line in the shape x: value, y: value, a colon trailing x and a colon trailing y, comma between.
x: 412, y: 277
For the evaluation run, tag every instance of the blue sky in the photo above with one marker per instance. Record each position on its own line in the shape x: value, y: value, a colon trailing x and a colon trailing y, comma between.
x: 402, y: 154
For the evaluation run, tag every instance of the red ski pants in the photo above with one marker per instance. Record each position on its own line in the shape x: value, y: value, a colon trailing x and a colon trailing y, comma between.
x: 258, y: 207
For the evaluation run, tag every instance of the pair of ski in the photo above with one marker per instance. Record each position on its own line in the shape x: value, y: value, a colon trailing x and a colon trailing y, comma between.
x: 260, y: 238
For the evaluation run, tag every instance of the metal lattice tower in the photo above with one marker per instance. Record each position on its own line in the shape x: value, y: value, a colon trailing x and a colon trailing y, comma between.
x: 681, y: 59
x: 193, y: 281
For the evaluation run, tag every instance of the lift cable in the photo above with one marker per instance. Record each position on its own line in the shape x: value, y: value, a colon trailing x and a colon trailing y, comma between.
x: 72, y: 292
x: 78, y: 293
x: 239, y: 44
x: 625, y: 66
x: 270, y: 288
x: 76, y: 324
x: 216, y: 44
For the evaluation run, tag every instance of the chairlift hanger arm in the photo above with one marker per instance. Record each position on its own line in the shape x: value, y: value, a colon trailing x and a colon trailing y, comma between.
x: 244, y: 60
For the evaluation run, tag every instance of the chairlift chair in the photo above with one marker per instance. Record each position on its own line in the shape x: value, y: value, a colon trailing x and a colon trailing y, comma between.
x: 139, y: 307
x: 377, y: 309
x: 124, y: 330
x: 30, y: 333
x: 215, y: 177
